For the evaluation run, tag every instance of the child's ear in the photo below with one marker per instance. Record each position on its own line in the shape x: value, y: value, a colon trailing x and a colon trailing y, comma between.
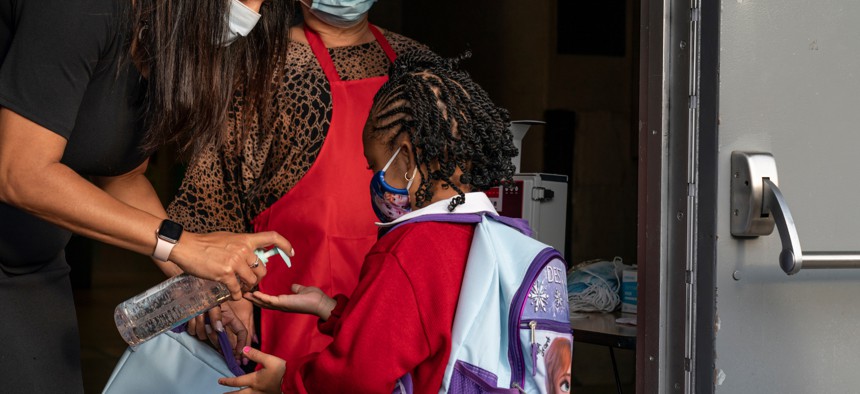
x: 407, y: 153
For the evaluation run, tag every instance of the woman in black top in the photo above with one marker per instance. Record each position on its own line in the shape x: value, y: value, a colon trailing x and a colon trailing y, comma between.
x: 74, y: 117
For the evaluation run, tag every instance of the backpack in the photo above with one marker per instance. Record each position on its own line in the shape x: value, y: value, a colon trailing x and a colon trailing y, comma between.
x: 511, y: 331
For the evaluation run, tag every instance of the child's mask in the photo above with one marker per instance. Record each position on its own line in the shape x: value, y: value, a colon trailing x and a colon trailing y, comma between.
x: 389, y: 203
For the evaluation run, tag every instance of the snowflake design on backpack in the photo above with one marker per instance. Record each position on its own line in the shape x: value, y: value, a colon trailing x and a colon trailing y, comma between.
x: 558, y: 303
x: 538, y: 296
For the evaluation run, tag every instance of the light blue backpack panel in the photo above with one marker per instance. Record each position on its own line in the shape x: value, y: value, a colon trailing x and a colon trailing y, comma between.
x: 511, y: 331
x: 169, y: 363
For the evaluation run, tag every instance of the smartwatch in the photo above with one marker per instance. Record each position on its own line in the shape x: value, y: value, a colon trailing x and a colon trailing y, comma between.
x: 166, y: 238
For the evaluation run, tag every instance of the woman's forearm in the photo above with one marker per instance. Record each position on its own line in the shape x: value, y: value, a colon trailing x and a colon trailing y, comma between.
x: 135, y: 189
x: 33, y: 179
x: 57, y: 194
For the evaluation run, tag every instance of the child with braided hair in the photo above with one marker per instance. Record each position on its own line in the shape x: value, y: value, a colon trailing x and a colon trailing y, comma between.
x: 435, y: 142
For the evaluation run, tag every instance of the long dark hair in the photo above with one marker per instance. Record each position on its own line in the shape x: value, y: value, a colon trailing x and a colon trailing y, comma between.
x: 192, y: 78
x: 450, y: 121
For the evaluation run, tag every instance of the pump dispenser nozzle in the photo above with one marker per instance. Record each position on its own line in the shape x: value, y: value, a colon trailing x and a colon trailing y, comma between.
x: 265, y: 254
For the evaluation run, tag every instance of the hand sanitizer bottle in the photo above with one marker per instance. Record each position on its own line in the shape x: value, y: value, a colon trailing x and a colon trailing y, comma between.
x: 173, y: 302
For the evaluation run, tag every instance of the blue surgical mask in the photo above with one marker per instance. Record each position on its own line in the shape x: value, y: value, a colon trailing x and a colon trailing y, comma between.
x: 389, y: 203
x: 240, y: 22
x: 339, y: 13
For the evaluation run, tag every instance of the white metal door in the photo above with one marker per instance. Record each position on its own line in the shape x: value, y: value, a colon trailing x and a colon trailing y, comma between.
x: 789, y: 84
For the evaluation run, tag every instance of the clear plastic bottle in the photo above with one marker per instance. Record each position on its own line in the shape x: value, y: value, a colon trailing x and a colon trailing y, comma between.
x: 171, y: 303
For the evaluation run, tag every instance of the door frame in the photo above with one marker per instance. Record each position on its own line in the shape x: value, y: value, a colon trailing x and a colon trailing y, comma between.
x: 678, y: 147
x: 708, y: 213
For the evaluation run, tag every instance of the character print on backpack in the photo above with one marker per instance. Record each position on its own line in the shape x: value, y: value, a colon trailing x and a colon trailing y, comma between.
x: 544, y: 331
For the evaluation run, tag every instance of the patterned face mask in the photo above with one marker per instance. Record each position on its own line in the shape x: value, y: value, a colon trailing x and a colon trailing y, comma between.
x: 389, y: 203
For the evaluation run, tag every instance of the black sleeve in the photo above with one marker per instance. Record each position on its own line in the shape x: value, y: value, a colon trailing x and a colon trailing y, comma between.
x: 54, y: 46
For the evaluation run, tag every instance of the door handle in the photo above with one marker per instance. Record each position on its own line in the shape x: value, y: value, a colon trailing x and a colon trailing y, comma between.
x: 758, y: 205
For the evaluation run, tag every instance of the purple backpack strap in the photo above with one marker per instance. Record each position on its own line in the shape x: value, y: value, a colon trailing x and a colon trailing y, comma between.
x: 520, y: 225
x: 226, y: 348
x: 404, y: 385
x: 443, y: 217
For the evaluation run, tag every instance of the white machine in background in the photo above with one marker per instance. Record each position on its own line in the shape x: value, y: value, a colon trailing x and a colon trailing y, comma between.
x: 539, y: 198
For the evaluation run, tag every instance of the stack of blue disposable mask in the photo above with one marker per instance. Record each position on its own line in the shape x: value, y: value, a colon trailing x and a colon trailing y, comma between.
x: 594, y: 287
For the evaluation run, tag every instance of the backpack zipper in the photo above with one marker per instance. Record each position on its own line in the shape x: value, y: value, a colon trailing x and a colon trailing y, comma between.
x: 515, y: 354
x: 551, y: 325
x: 545, y: 324
x: 532, y: 326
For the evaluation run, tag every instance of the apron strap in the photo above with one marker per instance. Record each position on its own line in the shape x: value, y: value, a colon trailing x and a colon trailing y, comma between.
x: 386, y: 47
x: 324, y: 59
x: 321, y: 52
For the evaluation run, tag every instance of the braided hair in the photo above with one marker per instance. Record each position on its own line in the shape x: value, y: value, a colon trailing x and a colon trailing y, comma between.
x: 451, y: 122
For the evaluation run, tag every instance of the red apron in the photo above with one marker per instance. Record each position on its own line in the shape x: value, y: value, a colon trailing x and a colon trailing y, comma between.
x: 326, y: 216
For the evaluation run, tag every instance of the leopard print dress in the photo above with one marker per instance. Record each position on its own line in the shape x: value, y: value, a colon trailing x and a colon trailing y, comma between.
x: 223, y: 191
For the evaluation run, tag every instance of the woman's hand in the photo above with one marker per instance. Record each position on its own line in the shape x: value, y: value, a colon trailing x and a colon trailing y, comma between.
x: 310, y: 300
x: 238, y: 318
x: 266, y: 380
x: 197, y: 327
x: 224, y: 256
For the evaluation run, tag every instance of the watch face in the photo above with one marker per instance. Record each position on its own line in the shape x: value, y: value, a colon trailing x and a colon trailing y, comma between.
x: 170, y: 231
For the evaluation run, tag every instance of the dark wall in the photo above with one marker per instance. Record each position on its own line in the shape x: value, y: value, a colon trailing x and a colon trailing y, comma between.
x: 536, y: 58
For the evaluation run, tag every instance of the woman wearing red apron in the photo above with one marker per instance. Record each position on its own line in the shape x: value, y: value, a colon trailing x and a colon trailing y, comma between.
x: 326, y: 215
x: 301, y: 174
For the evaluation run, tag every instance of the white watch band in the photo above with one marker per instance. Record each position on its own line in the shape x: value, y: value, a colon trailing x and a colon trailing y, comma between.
x: 162, y: 249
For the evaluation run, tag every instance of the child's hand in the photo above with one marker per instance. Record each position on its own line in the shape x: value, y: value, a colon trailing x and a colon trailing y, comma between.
x: 310, y: 300
x: 266, y: 380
